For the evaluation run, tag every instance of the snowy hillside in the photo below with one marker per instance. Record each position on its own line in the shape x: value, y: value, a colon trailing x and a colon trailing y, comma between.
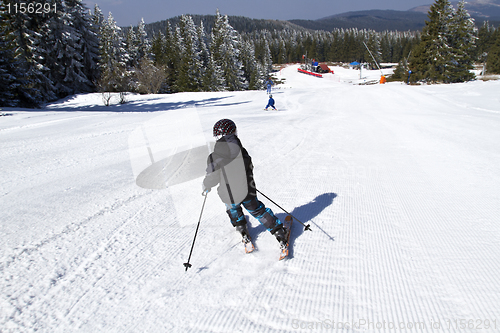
x: 400, y: 184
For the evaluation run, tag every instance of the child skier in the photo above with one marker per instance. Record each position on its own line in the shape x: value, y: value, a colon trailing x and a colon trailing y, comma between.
x: 270, y: 103
x: 269, y: 85
x: 231, y: 167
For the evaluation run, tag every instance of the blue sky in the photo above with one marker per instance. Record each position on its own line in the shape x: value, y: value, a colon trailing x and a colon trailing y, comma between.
x: 127, y: 12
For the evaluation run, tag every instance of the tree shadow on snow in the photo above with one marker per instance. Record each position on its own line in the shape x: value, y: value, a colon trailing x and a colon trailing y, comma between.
x: 305, y: 213
x: 152, y: 104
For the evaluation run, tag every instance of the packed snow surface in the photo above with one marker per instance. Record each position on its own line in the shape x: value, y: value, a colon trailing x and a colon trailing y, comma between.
x: 400, y: 184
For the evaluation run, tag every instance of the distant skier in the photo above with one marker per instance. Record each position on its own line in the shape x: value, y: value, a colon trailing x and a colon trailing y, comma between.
x: 270, y: 103
x: 231, y: 167
x: 269, y: 83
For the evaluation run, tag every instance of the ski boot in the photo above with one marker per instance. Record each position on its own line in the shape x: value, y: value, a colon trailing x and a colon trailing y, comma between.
x: 282, y: 236
x: 242, y: 229
x: 247, y: 241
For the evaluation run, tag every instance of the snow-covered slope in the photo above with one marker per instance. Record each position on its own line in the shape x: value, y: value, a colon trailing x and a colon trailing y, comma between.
x: 399, y: 183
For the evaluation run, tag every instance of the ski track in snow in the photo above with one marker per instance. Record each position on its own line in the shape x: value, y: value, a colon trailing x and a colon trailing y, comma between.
x: 399, y: 184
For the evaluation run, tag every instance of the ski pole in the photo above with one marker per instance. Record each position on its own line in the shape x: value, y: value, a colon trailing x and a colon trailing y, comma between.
x: 306, y: 227
x: 187, y: 264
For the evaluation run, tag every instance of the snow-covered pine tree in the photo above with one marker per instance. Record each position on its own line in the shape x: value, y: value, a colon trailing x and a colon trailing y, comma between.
x: 159, y: 57
x: 112, y: 58
x: 249, y: 63
x: 190, y: 69
x: 113, y: 52
x: 225, y: 52
x: 282, y: 58
x: 143, y: 44
x: 493, y: 61
x: 137, y: 44
x: 400, y: 72
x: 253, y: 71
x: 131, y: 46
x: 218, y: 80
x: 158, y: 51
x: 173, y: 51
x: 345, y: 45
x: 210, y: 80
x: 373, y: 44
x: 216, y: 44
x: 204, y: 54
x: 97, y: 21
x: 463, y: 42
x: 7, y: 63
x: 96, y: 26
x: 268, y: 59
x: 385, y: 48
x: 32, y: 87
x: 434, y: 59
x: 177, y: 50
x: 62, y: 57
x: 347, y: 49
x: 55, y: 53
x: 485, y: 39
x: 87, y: 46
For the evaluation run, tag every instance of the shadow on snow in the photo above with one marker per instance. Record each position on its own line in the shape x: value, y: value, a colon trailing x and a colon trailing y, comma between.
x: 306, y: 214
x: 153, y: 104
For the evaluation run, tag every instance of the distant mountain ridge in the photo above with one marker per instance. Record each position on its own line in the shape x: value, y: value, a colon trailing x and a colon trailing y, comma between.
x: 413, y: 19
x: 478, y: 9
x: 377, y: 20
x: 239, y: 23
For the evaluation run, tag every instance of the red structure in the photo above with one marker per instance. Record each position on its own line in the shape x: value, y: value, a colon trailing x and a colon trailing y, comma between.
x: 309, y: 73
x: 323, y: 68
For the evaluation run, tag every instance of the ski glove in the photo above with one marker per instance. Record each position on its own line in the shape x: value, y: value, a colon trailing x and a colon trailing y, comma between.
x: 205, y: 189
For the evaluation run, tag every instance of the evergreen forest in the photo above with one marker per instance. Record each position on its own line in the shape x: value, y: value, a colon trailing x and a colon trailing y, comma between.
x: 64, y: 48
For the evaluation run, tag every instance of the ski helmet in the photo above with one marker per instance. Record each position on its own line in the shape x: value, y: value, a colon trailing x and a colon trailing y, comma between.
x: 224, y: 127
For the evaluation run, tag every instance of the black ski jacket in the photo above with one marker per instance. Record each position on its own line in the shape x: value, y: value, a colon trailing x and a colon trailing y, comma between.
x: 231, y: 167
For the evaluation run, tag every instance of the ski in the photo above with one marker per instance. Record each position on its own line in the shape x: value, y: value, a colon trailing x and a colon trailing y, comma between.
x: 248, y: 244
x: 288, y: 225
